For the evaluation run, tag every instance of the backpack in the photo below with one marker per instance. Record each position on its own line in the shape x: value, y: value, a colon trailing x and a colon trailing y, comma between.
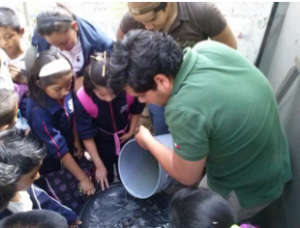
x: 92, y: 109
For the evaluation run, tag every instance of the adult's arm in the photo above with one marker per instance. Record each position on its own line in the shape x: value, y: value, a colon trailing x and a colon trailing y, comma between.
x: 120, y: 34
x: 184, y: 171
x: 226, y: 37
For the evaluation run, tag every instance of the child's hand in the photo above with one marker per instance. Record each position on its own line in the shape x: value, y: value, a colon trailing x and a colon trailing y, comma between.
x: 16, y: 74
x: 125, y: 137
x: 75, y: 224
x: 78, y: 150
x: 87, y: 187
x: 101, y: 177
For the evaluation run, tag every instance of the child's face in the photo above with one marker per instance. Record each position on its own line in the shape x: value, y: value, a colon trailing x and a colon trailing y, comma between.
x: 64, y: 41
x: 104, y: 93
x: 27, y: 179
x: 10, y: 41
x: 61, y: 88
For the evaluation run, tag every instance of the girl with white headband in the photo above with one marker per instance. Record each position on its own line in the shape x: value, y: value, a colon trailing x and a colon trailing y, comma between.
x: 50, y: 114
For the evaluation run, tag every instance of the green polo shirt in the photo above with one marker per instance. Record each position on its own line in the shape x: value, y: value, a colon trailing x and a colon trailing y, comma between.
x: 223, y: 108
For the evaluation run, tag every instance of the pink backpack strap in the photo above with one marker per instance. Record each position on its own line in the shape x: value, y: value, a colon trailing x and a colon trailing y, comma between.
x: 87, y: 102
x: 130, y: 100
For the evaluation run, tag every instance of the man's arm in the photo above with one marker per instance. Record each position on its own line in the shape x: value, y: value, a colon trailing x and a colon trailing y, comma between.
x: 120, y: 34
x: 226, y: 37
x: 186, y: 172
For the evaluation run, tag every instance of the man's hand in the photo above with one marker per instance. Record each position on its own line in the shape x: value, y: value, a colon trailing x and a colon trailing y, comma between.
x: 143, y: 136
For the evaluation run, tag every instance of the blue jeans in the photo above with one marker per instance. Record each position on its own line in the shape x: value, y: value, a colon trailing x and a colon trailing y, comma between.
x: 157, y: 115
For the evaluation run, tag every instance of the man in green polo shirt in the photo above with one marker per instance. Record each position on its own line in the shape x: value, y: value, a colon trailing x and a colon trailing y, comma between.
x: 221, y: 112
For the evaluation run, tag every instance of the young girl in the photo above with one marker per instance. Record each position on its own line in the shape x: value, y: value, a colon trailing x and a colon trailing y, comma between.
x: 50, y: 115
x: 201, y: 208
x: 104, y: 121
x: 74, y: 36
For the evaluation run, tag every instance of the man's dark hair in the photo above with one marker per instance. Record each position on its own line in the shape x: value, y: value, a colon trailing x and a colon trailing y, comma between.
x: 8, y: 102
x: 9, y: 19
x: 162, y: 6
x: 200, y: 208
x: 35, y: 219
x: 139, y: 57
x: 20, y: 150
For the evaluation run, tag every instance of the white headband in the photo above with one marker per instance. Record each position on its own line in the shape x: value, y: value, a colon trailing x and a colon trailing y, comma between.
x: 55, y: 66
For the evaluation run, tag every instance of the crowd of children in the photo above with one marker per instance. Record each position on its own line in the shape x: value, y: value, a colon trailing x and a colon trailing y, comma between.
x: 70, y: 109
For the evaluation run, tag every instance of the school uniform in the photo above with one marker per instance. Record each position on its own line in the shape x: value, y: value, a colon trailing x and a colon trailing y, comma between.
x: 92, y: 39
x: 112, y: 117
x: 5, y: 78
x: 36, y: 198
x: 53, y: 124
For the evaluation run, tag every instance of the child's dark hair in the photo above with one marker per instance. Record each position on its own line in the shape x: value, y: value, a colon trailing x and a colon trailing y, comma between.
x: 20, y: 150
x: 9, y: 18
x: 8, y: 101
x: 200, y: 208
x: 95, y: 74
x: 35, y: 219
x: 36, y: 84
x: 9, y: 177
x: 55, y: 19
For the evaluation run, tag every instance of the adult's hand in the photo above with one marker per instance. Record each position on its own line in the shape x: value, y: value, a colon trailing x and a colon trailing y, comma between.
x: 143, y: 136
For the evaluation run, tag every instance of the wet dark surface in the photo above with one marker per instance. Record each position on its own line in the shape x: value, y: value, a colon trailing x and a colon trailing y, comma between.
x: 115, y: 208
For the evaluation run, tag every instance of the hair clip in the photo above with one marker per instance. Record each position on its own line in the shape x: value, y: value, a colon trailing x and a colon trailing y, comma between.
x: 98, y: 58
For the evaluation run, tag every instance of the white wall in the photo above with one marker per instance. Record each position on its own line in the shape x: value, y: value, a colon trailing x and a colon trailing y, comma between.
x: 248, y: 21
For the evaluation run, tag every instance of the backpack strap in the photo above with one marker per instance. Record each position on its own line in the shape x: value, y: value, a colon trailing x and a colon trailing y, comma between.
x: 129, y: 100
x: 87, y: 102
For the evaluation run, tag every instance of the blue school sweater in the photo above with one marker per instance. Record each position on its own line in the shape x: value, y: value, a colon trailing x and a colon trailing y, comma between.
x: 92, y: 40
x: 41, y: 200
x: 53, y: 124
